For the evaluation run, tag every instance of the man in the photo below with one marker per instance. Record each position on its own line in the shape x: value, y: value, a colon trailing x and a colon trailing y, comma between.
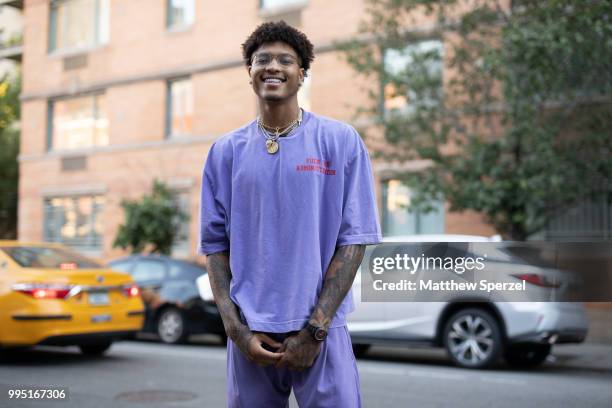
x: 287, y: 209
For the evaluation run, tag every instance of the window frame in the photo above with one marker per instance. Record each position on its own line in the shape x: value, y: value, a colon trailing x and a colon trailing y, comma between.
x: 95, y: 243
x: 51, y: 119
x: 288, y: 4
x: 99, y: 39
x: 169, y: 106
x: 174, y: 26
x: 416, y: 214
x: 305, y: 93
x: 404, y: 53
x: 182, y: 247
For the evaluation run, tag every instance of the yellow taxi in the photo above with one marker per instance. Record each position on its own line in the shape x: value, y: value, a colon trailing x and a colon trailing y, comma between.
x: 52, y: 295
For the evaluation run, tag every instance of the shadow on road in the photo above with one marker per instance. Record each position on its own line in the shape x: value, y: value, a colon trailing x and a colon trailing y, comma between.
x: 50, y: 356
x: 584, y: 361
x: 193, y: 341
x: 562, y: 362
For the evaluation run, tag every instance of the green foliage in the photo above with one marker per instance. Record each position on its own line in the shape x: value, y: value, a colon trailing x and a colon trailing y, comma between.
x: 520, y: 131
x: 151, y: 222
x: 10, y: 89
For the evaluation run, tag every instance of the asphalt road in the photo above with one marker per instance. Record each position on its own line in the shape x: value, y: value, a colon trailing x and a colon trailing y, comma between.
x: 145, y: 373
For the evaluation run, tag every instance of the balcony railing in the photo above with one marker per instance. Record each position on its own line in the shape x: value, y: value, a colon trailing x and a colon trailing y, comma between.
x: 12, y: 48
x: 13, y: 3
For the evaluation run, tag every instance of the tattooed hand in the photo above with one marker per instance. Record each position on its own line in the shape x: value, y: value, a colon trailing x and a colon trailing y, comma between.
x: 251, y: 345
x: 300, y: 351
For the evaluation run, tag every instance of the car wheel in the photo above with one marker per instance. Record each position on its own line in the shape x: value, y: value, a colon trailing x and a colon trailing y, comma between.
x: 359, y: 350
x: 171, y: 326
x: 95, y: 349
x: 527, y: 355
x: 472, y: 338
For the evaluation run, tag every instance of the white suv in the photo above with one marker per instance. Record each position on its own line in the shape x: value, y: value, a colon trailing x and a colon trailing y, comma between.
x: 475, y: 333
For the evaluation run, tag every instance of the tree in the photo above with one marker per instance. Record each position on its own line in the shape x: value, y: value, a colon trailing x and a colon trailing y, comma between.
x: 153, y: 221
x: 517, y: 124
x: 10, y: 88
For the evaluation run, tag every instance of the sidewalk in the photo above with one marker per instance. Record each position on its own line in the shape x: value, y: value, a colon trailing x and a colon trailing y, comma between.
x: 590, y: 357
x: 600, y: 323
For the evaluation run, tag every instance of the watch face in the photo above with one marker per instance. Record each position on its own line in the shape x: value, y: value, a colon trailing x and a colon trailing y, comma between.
x: 320, y: 334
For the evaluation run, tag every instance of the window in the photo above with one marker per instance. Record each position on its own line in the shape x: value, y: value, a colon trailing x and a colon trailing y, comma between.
x: 180, y: 247
x: 74, y: 221
x: 122, y: 266
x: 272, y: 4
x: 181, y: 13
x: 55, y: 258
x: 304, y: 94
x: 398, y: 219
x: 78, y: 24
x: 185, y: 271
x: 149, y: 271
x: 589, y: 219
x: 78, y: 123
x: 418, y: 67
x: 180, y: 107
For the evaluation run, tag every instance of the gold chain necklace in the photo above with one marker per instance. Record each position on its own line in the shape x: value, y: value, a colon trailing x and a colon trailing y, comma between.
x: 272, y: 134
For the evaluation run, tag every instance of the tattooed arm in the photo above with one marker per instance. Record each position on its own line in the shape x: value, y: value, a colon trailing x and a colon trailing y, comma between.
x: 338, y: 280
x: 301, y: 350
x: 248, y: 342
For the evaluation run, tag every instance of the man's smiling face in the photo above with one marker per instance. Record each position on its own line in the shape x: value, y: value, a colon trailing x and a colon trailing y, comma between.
x: 275, y: 72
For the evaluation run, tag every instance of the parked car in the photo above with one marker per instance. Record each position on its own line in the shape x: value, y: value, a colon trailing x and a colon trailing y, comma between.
x: 475, y: 332
x: 177, y: 296
x: 52, y: 295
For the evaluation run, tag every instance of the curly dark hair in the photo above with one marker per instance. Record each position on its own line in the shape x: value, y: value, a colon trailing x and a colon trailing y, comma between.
x: 279, y: 31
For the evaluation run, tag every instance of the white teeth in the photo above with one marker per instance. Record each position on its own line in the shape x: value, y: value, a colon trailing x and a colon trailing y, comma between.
x: 273, y: 80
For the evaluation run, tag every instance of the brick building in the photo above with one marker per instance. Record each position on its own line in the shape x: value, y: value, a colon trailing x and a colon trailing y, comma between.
x: 117, y: 93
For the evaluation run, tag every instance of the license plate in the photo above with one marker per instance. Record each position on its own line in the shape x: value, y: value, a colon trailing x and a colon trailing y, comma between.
x: 98, y: 298
x: 101, y: 318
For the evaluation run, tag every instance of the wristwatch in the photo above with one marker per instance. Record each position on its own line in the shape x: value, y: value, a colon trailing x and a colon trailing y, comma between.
x: 317, y: 333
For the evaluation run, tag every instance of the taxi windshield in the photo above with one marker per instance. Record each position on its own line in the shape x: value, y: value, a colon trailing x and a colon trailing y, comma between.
x: 57, y: 258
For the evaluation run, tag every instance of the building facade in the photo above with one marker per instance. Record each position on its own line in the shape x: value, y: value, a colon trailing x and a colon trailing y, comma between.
x: 11, y: 37
x: 118, y: 93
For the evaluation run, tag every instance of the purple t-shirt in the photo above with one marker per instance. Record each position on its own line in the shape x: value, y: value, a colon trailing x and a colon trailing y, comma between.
x: 282, y: 216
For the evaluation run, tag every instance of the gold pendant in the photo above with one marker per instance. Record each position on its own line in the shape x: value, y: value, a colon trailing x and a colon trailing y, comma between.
x: 272, y: 146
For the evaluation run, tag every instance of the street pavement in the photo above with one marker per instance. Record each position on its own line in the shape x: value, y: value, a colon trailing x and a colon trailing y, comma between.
x: 146, y: 373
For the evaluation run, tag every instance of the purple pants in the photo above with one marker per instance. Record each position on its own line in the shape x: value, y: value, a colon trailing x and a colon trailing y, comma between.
x: 331, y: 382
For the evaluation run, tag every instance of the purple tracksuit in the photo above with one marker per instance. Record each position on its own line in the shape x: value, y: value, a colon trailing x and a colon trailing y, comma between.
x: 332, y: 381
x: 282, y: 216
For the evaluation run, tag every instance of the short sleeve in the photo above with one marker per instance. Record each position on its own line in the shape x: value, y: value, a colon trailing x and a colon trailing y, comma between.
x: 360, y: 223
x: 214, y: 204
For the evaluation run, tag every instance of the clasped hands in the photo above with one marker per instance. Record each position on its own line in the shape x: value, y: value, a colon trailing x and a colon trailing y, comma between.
x: 298, y: 351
